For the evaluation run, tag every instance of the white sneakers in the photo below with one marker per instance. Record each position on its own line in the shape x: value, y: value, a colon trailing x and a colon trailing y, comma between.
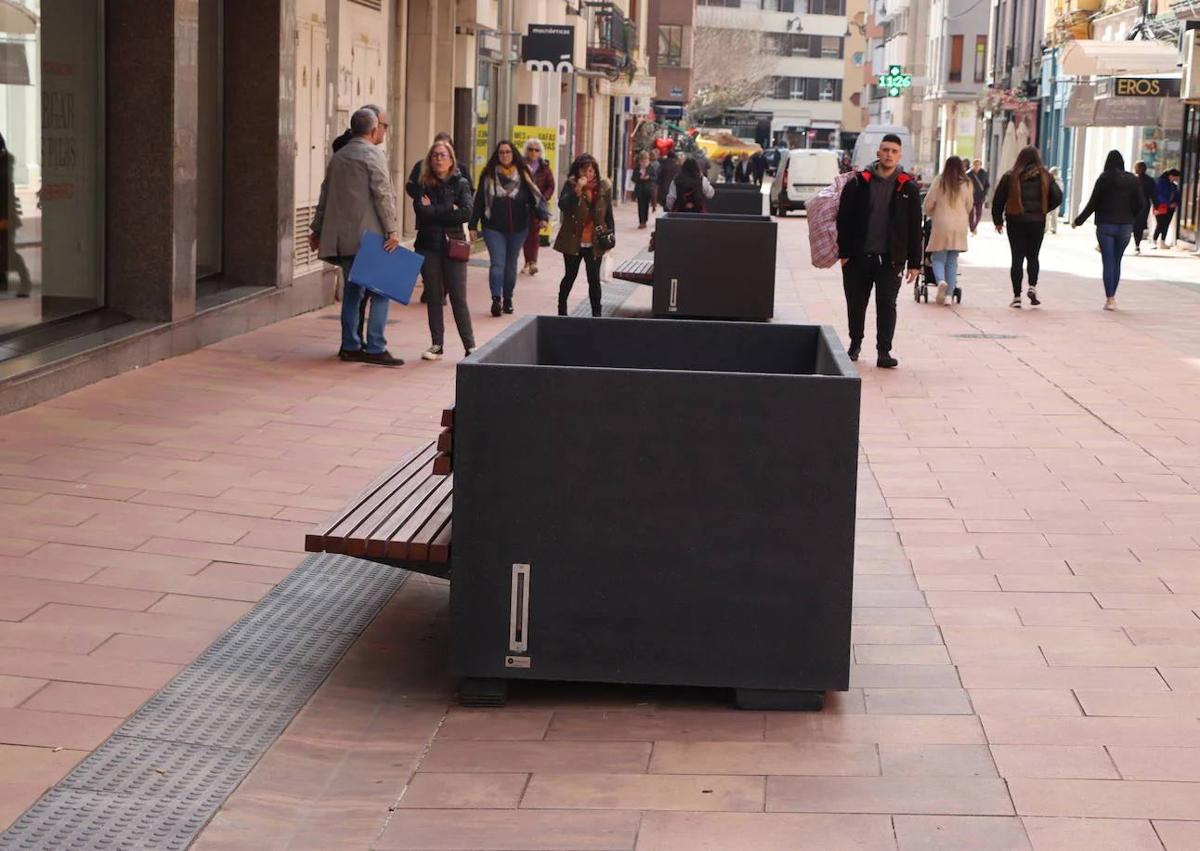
x: 432, y: 353
x: 941, y: 292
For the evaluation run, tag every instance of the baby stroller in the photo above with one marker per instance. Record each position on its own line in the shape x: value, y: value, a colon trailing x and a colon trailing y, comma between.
x: 923, y: 284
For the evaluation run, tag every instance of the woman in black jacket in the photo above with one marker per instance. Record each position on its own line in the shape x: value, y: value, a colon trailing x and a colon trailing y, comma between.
x: 1024, y: 196
x: 442, y: 208
x: 507, y: 204
x: 1117, y: 200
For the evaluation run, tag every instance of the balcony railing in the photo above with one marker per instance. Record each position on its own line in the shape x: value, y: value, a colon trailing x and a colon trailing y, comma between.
x: 612, y: 38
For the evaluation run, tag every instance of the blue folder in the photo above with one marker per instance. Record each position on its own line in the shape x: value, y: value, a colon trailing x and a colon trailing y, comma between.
x: 392, y: 275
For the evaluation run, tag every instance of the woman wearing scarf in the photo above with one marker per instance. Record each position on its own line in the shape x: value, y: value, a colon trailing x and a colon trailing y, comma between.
x: 586, y: 205
x: 508, y: 204
x: 1024, y: 196
x: 543, y: 178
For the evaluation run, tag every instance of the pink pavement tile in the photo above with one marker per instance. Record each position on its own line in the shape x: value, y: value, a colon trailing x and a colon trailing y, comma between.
x: 26, y: 773
x: 663, y: 831
x: 861, y: 729
x: 84, y: 669
x: 1148, y: 732
x: 901, y: 654
x: 956, y: 833
x: 489, y: 724
x: 204, y: 585
x: 758, y: 758
x: 903, y: 676
x: 1157, y: 763
x: 1122, y: 799
x: 899, y: 760
x: 1175, y: 704
x: 16, y: 690
x: 86, y: 699
x: 509, y: 830
x: 1178, y: 835
x: 35, y: 636
x: 201, y: 608
x: 54, y: 729
x: 100, y: 557
x: 914, y: 795
x: 132, y: 623
x: 917, y: 701
x: 1022, y: 676
x: 18, y: 589
x: 659, y: 725
x: 1042, y: 702
x: 687, y: 793
x: 464, y: 791
x: 550, y: 757
x: 1054, y: 761
x: 1092, y: 834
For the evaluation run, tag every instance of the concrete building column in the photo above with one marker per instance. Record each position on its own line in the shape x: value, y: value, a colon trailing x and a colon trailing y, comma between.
x: 152, y: 114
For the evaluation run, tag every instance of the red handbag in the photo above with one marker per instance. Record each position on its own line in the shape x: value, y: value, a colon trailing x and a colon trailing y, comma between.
x: 1160, y: 210
x: 457, y: 249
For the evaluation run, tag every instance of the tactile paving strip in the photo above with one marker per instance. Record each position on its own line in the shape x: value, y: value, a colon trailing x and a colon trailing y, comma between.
x: 159, y: 779
x: 613, y: 294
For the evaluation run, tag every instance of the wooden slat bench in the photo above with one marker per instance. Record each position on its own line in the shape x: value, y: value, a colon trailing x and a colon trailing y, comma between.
x: 639, y: 269
x: 404, y: 518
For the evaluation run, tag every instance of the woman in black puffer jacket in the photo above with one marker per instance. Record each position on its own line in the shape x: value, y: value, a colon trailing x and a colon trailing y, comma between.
x: 1117, y: 200
x: 1024, y: 196
x: 442, y: 208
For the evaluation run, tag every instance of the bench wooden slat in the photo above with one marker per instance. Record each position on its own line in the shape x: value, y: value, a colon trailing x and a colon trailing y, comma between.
x: 419, y: 542
x: 367, y: 539
x: 362, y: 506
x: 413, y: 509
x: 439, y: 547
x: 351, y: 535
x: 443, y: 464
x: 445, y: 441
x: 400, y: 541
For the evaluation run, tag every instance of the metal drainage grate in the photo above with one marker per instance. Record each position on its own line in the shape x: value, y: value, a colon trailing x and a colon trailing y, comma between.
x: 613, y: 294
x: 986, y: 336
x: 166, y: 771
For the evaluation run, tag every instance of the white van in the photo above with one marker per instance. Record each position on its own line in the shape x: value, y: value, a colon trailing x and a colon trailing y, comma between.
x: 804, y: 173
x: 866, y: 148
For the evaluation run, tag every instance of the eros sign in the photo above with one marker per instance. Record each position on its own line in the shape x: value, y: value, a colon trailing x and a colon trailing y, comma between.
x: 1137, y: 87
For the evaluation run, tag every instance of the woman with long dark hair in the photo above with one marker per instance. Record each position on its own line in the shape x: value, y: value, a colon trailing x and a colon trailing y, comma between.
x: 948, y: 206
x: 442, y: 208
x: 1023, y: 197
x: 587, y: 230
x: 508, y: 204
x: 689, y: 189
x: 1116, y: 200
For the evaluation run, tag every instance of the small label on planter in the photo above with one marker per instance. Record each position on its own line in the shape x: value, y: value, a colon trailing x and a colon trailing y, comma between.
x: 517, y: 661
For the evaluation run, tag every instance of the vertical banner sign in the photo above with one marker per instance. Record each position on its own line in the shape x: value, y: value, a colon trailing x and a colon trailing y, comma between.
x: 549, y: 47
x: 481, y: 150
x: 548, y: 136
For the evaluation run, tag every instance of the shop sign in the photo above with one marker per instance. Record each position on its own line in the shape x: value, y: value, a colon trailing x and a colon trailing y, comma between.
x: 481, y: 149
x: 1143, y: 87
x: 1085, y: 110
x: 549, y: 47
x: 676, y: 91
x: 548, y: 136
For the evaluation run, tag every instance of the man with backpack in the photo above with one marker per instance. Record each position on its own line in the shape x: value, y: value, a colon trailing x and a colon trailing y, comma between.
x: 879, y: 234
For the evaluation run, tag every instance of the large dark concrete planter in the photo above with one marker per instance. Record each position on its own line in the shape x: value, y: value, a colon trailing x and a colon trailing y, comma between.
x: 656, y: 502
x: 743, y: 199
x: 714, y: 266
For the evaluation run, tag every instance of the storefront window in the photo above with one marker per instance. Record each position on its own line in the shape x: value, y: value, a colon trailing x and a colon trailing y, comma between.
x: 50, y: 165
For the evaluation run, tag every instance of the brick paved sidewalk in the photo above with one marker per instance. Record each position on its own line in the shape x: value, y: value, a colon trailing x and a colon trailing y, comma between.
x: 1026, y: 647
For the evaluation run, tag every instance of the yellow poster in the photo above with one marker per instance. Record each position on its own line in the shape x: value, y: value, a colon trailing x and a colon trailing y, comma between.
x: 481, y: 150
x: 548, y: 136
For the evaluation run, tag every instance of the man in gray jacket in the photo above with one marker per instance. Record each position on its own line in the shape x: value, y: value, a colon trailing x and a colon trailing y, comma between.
x: 357, y: 195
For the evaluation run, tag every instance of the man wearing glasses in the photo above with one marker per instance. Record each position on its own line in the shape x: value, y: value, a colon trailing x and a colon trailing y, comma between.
x: 349, y: 205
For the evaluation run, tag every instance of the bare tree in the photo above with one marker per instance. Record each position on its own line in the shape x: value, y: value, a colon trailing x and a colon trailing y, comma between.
x: 729, y: 70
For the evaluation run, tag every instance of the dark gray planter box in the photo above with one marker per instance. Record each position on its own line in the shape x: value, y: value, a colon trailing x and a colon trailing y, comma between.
x: 737, y: 199
x: 655, y: 502
x: 714, y: 266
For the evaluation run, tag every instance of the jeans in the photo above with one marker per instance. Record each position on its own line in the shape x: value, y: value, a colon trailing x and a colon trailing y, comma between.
x: 858, y: 276
x: 504, y: 249
x: 445, y: 276
x: 1113, y: 239
x: 571, y: 262
x: 945, y: 268
x: 1162, y: 224
x: 1025, y: 242
x: 352, y: 299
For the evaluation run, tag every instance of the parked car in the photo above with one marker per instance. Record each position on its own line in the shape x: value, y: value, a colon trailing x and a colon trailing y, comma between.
x: 804, y: 173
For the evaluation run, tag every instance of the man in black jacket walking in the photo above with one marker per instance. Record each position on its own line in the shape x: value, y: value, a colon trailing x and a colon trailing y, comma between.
x: 879, y: 234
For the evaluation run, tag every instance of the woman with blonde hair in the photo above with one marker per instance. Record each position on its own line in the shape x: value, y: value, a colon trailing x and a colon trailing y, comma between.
x: 442, y: 207
x: 948, y: 205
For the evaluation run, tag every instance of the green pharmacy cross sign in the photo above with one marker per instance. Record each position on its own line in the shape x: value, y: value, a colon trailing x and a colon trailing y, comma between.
x: 895, y: 80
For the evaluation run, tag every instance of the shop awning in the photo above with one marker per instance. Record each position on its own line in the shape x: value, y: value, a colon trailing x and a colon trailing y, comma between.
x: 1088, y: 57
x: 16, y: 19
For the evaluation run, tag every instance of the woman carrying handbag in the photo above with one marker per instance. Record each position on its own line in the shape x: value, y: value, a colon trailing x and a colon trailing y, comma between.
x: 587, y: 230
x: 442, y: 208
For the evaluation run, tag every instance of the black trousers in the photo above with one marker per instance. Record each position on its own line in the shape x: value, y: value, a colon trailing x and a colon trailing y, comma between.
x: 1025, y: 242
x: 858, y: 277
x: 1162, y: 225
x: 572, y: 261
x: 643, y: 202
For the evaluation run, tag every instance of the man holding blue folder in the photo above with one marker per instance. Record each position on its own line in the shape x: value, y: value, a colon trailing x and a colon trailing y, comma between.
x: 356, y: 196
